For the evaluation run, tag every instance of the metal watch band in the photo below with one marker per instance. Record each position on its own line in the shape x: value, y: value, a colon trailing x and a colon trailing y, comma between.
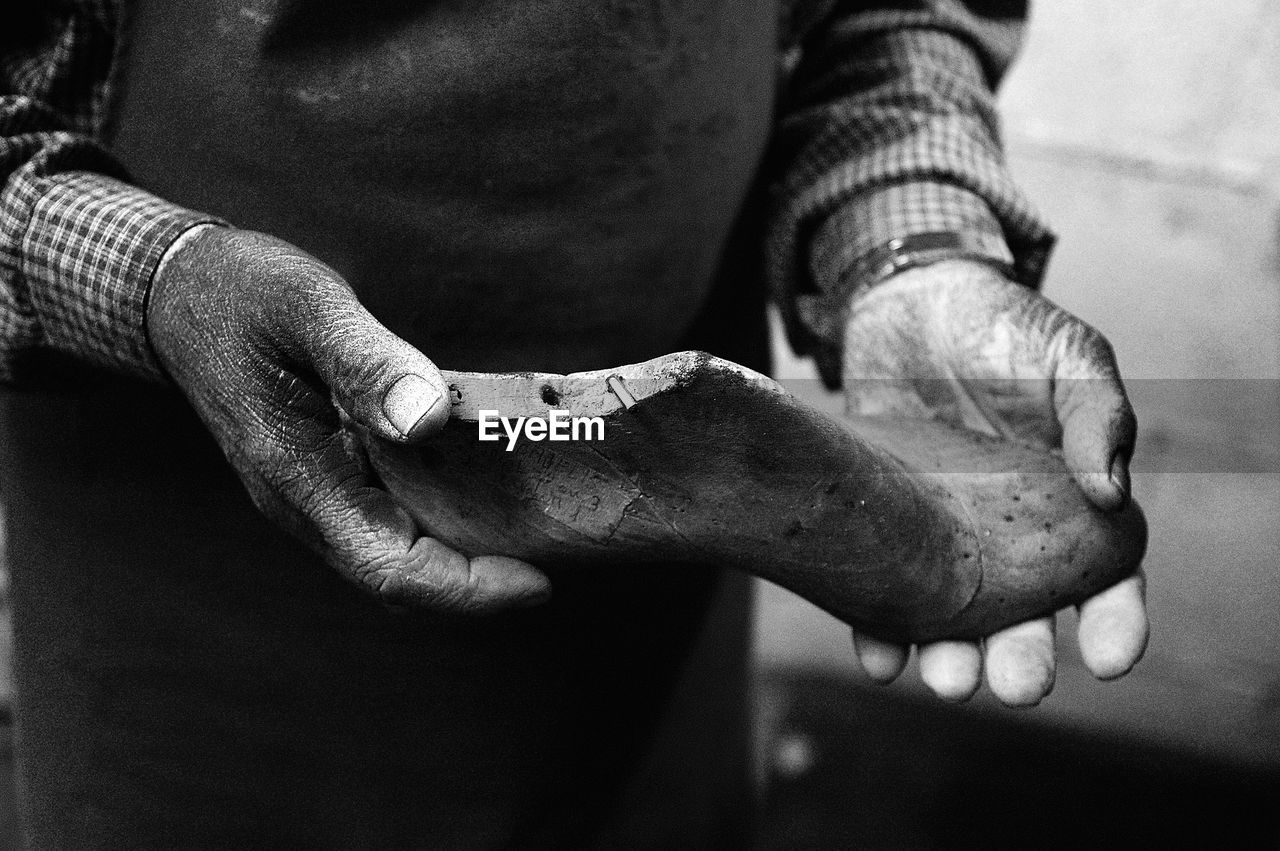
x: 921, y: 249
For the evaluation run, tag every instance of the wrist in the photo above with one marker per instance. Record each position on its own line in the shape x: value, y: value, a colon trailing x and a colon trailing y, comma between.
x: 169, y: 261
x: 184, y: 239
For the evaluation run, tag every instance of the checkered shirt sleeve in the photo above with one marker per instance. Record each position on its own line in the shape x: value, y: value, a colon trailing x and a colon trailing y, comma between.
x: 78, y: 245
x: 888, y: 129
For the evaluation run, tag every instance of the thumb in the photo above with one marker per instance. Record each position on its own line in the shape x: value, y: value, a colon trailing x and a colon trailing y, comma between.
x: 1098, y: 424
x: 378, y: 379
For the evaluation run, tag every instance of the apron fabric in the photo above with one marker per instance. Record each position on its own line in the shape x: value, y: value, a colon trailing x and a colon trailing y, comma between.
x: 515, y: 185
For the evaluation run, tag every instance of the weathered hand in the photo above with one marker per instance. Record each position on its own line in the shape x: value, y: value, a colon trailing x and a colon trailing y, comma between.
x: 957, y: 341
x: 270, y: 346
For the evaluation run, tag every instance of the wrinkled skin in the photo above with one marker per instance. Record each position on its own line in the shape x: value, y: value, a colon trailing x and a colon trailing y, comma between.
x: 956, y: 341
x: 271, y: 347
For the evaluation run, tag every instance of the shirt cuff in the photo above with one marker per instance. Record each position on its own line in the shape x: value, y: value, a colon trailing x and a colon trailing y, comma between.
x: 89, y: 252
x: 871, y: 219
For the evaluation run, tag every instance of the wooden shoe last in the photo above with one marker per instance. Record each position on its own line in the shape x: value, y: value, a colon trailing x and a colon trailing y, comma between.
x: 908, y: 530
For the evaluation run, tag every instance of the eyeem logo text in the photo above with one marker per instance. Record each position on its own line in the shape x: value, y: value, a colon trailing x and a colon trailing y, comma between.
x: 557, y: 425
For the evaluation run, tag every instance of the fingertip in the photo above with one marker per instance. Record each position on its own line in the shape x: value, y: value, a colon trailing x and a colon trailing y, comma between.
x: 1101, y: 490
x: 1021, y: 663
x: 951, y: 669
x: 415, y: 406
x: 1023, y: 691
x: 1114, y: 629
x: 436, y: 577
x: 377, y: 378
x: 882, y: 660
x: 1098, y: 433
x: 508, y: 583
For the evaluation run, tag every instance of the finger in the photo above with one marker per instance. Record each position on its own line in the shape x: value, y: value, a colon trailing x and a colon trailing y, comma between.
x: 1113, y: 628
x: 378, y: 379
x: 882, y: 660
x: 1021, y: 664
x: 1098, y: 424
x: 328, y: 501
x: 435, y: 577
x: 951, y: 669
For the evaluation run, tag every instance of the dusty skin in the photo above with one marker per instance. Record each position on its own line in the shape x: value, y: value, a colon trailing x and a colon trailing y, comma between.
x: 908, y: 530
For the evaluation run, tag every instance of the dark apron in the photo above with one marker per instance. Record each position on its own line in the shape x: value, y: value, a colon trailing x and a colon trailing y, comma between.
x: 508, y: 185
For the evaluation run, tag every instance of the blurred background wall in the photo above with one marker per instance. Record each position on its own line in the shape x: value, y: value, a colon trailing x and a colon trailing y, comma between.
x: 1148, y: 132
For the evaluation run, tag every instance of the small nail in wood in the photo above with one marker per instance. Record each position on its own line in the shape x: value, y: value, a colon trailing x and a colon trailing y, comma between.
x: 620, y: 390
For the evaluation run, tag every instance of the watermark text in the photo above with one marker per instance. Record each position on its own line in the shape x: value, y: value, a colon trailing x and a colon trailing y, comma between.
x: 556, y: 426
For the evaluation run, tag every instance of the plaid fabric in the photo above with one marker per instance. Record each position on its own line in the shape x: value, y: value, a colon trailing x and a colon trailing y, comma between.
x: 887, y: 128
x: 78, y: 245
x: 93, y: 243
